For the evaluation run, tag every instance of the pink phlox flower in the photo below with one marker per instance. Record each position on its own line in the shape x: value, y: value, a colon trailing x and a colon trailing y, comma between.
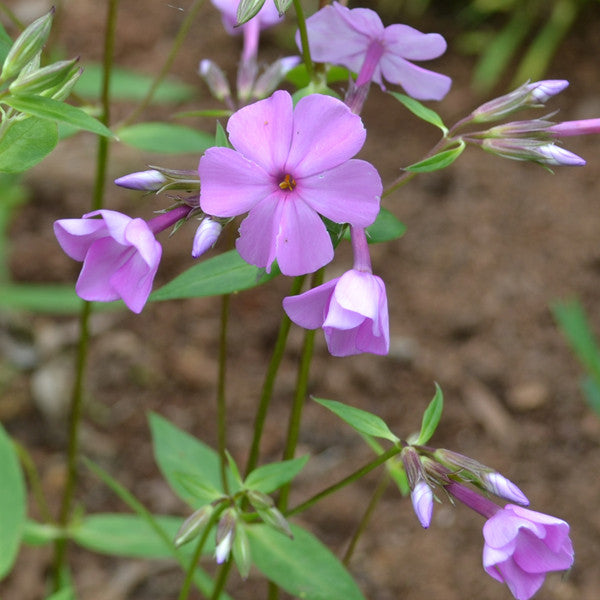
x: 120, y: 256
x: 267, y: 16
x: 351, y: 309
x: 288, y: 166
x: 522, y: 545
x: 358, y: 40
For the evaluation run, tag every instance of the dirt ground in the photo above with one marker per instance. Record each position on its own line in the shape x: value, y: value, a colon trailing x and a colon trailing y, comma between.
x: 490, y: 244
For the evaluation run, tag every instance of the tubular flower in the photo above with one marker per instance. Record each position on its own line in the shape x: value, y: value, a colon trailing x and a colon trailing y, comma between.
x: 351, y: 309
x: 288, y: 166
x: 358, y: 40
x: 522, y: 545
x: 120, y: 255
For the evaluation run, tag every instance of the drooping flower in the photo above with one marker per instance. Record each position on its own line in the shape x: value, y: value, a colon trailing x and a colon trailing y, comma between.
x: 120, y: 255
x: 358, y: 40
x: 288, y: 166
x: 522, y: 545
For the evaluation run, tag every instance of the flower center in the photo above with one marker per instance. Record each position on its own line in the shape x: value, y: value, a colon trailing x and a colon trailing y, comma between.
x: 288, y: 183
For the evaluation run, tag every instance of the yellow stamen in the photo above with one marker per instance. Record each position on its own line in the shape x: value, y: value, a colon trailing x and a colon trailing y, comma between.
x: 288, y: 183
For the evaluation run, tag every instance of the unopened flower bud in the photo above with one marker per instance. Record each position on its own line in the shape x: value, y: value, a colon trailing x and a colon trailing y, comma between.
x: 241, y: 552
x: 542, y: 91
x: 43, y: 79
x: 215, y: 79
x: 265, y: 507
x: 582, y: 127
x: 27, y: 45
x: 267, y: 83
x: 206, y: 236
x: 192, y: 526
x: 538, y: 128
x: 259, y: 500
x: 533, y: 150
x: 422, y: 501
x: 226, y: 530
x: 246, y: 75
x: 62, y: 92
x: 146, y: 181
x: 499, y: 485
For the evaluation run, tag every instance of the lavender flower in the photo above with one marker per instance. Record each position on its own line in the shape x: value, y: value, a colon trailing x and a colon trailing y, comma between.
x: 120, y: 255
x: 522, y: 545
x: 289, y: 166
x: 358, y: 40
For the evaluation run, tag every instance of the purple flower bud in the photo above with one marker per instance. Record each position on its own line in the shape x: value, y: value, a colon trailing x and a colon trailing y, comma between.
x: 206, y: 236
x: 422, y: 501
x: 146, y: 181
x: 499, y: 485
x: 271, y: 78
x: 215, y: 79
x: 582, y: 127
x: 542, y: 91
x: 551, y: 154
x: 192, y: 526
x: 225, y: 535
x: 533, y: 150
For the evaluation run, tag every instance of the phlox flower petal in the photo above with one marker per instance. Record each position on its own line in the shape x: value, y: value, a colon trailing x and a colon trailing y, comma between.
x: 266, y: 17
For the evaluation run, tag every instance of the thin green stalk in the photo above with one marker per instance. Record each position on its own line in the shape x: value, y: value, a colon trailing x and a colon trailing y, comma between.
x: 301, y: 20
x: 221, y: 579
x: 77, y: 395
x: 362, y: 525
x: 12, y: 17
x: 177, y: 43
x: 221, y: 399
x: 346, y: 481
x: 299, y: 396
x: 269, y: 382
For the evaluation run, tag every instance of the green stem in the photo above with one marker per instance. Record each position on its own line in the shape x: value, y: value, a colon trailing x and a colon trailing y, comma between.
x: 221, y: 579
x: 346, y: 481
x: 269, y: 382
x: 301, y: 19
x: 76, y: 408
x: 362, y: 525
x: 221, y: 399
x: 299, y: 396
x: 177, y: 43
x: 12, y: 17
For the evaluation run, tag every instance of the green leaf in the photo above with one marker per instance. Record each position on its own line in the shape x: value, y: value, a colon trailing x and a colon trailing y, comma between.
x: 46, y: 108
x: 200, y: 490
x: 223, y: 274
x: 386, y: 228
x: 25, y: 143
x: 46, y: 298
x: 130, y: 85
x: 5, y: 43
x: 431, y: 416
x: 247, y: 9
x: 65, y: 594
x: 302, y: 566
x: 177, y: 452
x: 40, y: 534
x: 417, y: 109
x: 221, y: 139
x: 165, y: 138
x: 282, y: 6
x: 437, y: 161
x: 235, y: 472
x: 298, y: 76
x: 271, y: 477
x: 126, y: 535
x: 592, y: 394
x: 12, y: 503
x: 361, y: 420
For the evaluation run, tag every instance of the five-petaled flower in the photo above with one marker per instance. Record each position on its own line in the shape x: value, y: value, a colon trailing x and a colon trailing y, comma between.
x: 288, y: 166
x: 358, y: 40
x: 351, y: 309
x: 522, y: 545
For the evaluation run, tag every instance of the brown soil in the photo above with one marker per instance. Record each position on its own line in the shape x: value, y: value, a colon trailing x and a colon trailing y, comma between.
x: 490, y: 245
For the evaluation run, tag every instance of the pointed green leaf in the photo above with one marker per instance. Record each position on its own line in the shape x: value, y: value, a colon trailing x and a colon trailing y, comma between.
x: 282, y: 6
x: 221, y: 139
x: 302, y: 566
x: 417, y: 109
x: 431, y: 416
x: 222, y: 274
x: 166, y: 138
x: 46, y: 108
x: 12, y: 503
x: 235, y: 472
x: 39, y: 534
x: 592, y: 394
x: 25, y: 143
x: 247, y: 9
x: 202, y: 491
x: 361, y: 420
x: 126, y: 535
x: 46, y: 298
x: 271, y: 477
x: 437, y: 161
x: 5, y: 44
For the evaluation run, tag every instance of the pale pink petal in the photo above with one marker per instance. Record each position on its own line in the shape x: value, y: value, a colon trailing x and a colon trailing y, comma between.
x: 325, y: 134
x: 357, y: 292
x: 419, y: 83
x: 75, y: 236
x: 142, y: 239
x: 522, y: 585
x: 262, y: 131
x: 411, y: 44
x: 230, y: 184
x: 349, y: 193
x: 534, y: 556
x: 341, y: 342
x: 116, y: 223
x: 308, y: 310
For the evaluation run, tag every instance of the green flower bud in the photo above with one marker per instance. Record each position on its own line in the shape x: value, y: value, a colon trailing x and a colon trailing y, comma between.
x: 27, y: 45
x: 62, y: 92
x: 41, y: 80
x: 193, y: 525
x: 241, y: 551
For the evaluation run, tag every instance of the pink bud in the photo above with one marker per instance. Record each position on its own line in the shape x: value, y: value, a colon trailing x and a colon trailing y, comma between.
x: 206, y: 236
x: 499, y: 485
x: 146, y: 181
x: 542, y: 91
x: 422, y: 501
x: 582, y: 127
